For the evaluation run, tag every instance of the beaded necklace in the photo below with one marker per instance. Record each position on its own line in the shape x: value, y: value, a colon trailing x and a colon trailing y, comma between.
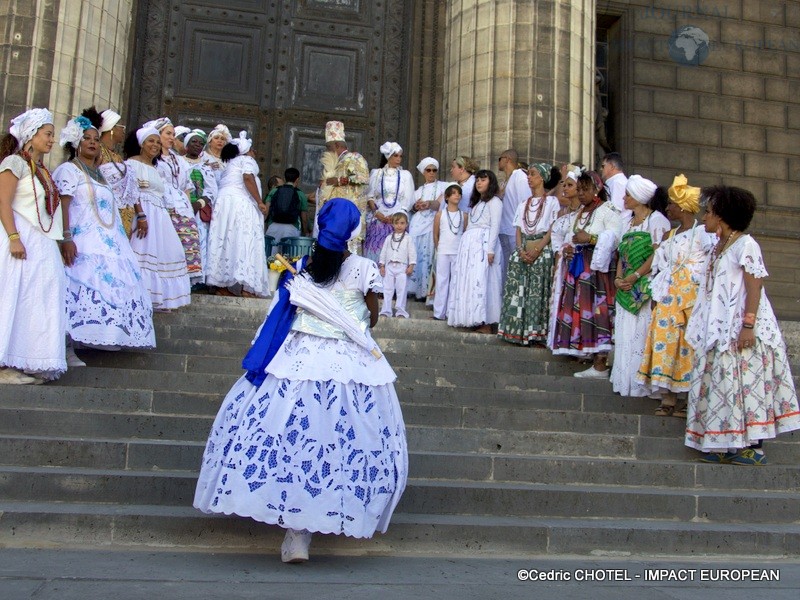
x: 576, y: 226
x: 472, y: 217
x: 398, y: 241
x: 457, y: 228
x: 397, y: 191
x: 110, y: 157
x: 87, y: 173
x: 711, y: 272
x: 528, y: 225
x: 51, y: 197
x: 174, y: 169
x: 435, y: 187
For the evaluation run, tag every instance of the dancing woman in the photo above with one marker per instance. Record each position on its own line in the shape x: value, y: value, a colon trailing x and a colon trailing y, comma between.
x: 312, y: 438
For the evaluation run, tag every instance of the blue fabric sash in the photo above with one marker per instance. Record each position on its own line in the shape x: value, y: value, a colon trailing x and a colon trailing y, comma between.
x: 576, y: 264
x: 274, y: 331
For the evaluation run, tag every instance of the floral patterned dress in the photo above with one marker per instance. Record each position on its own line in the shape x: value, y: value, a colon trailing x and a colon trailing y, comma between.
x: 737, y: 397
x: 107, y: 302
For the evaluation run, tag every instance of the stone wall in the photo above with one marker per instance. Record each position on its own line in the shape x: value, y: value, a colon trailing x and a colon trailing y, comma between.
x: 734, y: 119
x: 64, y: 56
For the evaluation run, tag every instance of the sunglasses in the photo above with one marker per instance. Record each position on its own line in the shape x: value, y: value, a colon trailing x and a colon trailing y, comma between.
x: 431, y: 170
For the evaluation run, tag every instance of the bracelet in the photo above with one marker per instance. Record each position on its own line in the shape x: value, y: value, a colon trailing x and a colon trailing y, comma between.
x: 141, y: 214
x: 638, y: 277
x: 747, y: 326
x: 749, y: 318
x: 593, y: 240
x: 67, y: 236
x: 141, y: 217
x: 13, y: 236
x: 201, y: 202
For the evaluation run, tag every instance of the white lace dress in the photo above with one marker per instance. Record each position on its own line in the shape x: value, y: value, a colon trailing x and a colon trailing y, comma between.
x: 737, y: 397
x: 32, y: 318
x: 320, y: 445
x: 107, y: 302
x: 476, y: 293
x: 160, y: 253
x: 421, y: 230
x: 236, y: 254
x: 630, y: 330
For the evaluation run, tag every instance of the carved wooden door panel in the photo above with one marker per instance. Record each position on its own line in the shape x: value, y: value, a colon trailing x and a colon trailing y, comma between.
x: 277, y: 69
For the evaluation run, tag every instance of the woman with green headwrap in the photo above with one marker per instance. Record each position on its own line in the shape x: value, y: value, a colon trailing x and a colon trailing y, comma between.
x: 526, y: 299
x: 642, y: 234
x: 203, y: 175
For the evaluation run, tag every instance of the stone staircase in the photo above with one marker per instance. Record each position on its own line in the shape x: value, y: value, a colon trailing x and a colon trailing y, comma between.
x: 509, y: 454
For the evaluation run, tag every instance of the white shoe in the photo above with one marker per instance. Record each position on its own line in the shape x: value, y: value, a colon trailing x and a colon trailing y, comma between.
x: 72, y: 358
x: 13, y: 377
x: 592, y: 373
x: 294, y: 548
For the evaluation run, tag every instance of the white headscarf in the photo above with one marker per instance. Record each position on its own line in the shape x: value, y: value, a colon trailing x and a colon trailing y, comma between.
x: 110, y: 120
x: 145, y: 132
x: 574, y: 173
x: 243, y: 143
x: 159, y: 123
x: 220, y: 130
x: 390, y: 148
x: 640, y: 189
x: 428, y: 160
x: 24, y: 126
x: 181, y: 130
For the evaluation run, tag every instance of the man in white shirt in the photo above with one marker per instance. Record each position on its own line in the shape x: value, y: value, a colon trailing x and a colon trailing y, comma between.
x: 515, y: 192
x: 611, y: 170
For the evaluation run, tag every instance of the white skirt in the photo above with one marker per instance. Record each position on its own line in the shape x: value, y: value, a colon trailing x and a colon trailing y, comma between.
x: 236, y: 253
x: 630, y: 337
x: 161, y: 259
x: 476, y: 292
x: 325, y: 456
x: 33, y: 322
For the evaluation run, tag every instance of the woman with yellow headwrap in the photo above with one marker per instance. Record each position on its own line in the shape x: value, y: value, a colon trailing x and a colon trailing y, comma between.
x: 666, y: 365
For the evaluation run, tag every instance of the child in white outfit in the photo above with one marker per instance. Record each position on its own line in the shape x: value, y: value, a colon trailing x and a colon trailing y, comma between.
x: 448, y: 225
x: 396, y: 263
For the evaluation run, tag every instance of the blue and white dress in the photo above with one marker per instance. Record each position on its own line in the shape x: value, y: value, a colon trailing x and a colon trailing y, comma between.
x: 320, y: 444
x: 107, y: 302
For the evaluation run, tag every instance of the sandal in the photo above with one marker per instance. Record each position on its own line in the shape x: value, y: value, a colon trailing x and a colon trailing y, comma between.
x: 665, y: 410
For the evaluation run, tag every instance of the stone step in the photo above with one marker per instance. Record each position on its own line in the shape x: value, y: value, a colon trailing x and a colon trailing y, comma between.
x: 146, y: 526
x: 426, y: 496
x: 168, y: 455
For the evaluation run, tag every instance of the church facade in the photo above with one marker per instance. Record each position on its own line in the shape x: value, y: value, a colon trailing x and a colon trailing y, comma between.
x: 710, y: 88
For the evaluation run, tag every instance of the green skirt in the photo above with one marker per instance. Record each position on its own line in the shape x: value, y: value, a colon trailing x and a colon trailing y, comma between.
x: 526, y: 298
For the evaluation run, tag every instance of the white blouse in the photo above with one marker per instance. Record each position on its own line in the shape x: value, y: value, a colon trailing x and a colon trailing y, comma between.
x: 29, y: 199
x: 716, y: 320
x: 392, y: 190
x: 487, y: 215
x: 549, y: 206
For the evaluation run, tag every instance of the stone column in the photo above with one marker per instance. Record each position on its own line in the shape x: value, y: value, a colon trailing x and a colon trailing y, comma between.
x: 64, y: 56
x: 519, y: 74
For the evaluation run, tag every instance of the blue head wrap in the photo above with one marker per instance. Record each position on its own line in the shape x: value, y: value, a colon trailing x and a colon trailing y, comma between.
x: 337, y: 220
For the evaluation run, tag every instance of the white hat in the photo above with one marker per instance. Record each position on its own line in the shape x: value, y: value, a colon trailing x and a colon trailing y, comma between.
x: 390, y: 148
x: 110, y: 120
x: 428, y: 160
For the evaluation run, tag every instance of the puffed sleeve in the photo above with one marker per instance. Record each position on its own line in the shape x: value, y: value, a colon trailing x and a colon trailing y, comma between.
x: 67, y: 179
x: 370, y: 277
x: 16, y: 164
x: 751, y: 260
x: 518, y: 214
x: 248, y: 165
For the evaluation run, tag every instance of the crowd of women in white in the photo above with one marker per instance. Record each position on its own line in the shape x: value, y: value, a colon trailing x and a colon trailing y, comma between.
x: 89, y: 252
x: 679, y: 302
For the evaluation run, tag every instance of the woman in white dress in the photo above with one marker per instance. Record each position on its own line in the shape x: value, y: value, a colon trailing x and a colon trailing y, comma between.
x: 154, y: 240
x: 237, y: 260
x: 312, y: 437
x: 642, y: 234
x: 32, y: 317
x: 476, y: 295
x: 391, y: 190
x: 217, y: 139
x: 108, y: 306
x: 174, y: 171
x: 427, y: 202
x: 742, y: 388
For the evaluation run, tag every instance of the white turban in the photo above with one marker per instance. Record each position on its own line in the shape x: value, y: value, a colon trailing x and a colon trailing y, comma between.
x: 243, y: 143
x: 110, y: 120
x: 640, y: 189
x: 428, y: 160
x: 159, y: 123
x: 181, y: 130
x: 145, y: 132
x: 24, y: 126
x: 574, y: 173
x: 390, y: 148
x: 220, y: 130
